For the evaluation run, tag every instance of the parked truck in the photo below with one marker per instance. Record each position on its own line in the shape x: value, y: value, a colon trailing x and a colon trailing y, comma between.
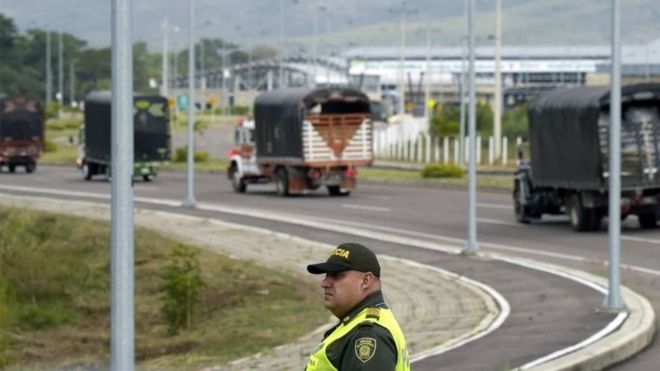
x: 567, y: 170
x: 21, y: 132
x: 304, y: 139
x: 151, y: 135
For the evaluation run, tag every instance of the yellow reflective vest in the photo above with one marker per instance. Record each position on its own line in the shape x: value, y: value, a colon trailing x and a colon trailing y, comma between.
x: 319, y: 361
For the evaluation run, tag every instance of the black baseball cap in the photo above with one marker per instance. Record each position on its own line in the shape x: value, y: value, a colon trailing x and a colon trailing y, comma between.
x: 348, y: 256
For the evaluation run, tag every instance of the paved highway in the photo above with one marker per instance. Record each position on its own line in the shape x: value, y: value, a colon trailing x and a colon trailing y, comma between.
x: 548, y: 313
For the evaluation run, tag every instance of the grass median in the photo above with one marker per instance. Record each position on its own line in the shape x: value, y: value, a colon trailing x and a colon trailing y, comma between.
x: 55, y: 289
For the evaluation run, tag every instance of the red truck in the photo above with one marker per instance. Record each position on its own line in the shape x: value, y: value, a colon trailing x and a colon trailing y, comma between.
x: 21, y: 133
x: 304, y: 139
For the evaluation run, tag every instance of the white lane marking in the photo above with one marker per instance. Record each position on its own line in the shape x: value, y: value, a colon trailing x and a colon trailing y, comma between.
x: 505, y: 311
x: 639, y: 239
x: 605, y: 331
x: 498, y: 222
x: 377, y: 197
x: 368, y: 208
x: 495, y: 206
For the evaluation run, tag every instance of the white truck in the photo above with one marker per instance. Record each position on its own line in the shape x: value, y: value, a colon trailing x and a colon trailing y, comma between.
x: 304, y: 139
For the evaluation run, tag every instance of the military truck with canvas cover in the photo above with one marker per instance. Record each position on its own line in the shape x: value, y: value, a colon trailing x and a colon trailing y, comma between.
x: 568, y: 168
x: 304, y: 139
x: 21, y: 132
x: 151, y: 135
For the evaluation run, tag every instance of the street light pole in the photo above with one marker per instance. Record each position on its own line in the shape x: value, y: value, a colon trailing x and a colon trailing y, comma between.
x: 427, y: 86
x: 122, y: 327
x: 613, y: 300
x: 461, y: 139
x: 72, y: 82
x: 471, y: 247
x: 497, y: 129
x: 402, y: 93
x: 281, y: 51
x: 164, y: 88
x: 49, y: 72
x: 314, y: 44
x: 60, y: 71
x: 190, y: 197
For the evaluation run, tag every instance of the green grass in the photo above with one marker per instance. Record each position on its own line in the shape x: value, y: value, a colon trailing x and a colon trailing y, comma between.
x: 395, y: 176
x: 54, y: 299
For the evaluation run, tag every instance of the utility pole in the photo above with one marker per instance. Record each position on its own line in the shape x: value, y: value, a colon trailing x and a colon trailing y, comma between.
x: 427, y: 86
x: 164, y: 86
x: 49, y: 72
x: 471, y: 247
x: 497, y: 125
x: 281, y: 51
x: 613, y: 300
x: 72, y: 82
x: 402, y: 57
x: 461, y: 139
x: 122, y: 325
x: 317, y: 7
x: 60, y: 72
x: 190, y: 197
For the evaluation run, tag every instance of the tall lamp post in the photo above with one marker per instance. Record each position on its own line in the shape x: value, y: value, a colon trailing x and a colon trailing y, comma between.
x: 190, y: 197
x: 49, y: 72
x: 613, y: 300
x: 471, y: 247
x: 497, y: 124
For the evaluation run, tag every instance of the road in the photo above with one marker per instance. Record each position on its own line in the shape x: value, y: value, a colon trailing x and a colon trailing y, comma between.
x: 547, y: 312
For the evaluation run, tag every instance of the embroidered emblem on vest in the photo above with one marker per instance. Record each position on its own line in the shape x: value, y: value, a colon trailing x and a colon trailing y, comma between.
x: 365, y: 348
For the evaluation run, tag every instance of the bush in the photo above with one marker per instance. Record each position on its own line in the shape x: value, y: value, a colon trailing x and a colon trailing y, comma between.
x: 442, y: 171
x: 181, y: 155
x: 50, y: 146
x: 183, y: 289
x: 64, y: 123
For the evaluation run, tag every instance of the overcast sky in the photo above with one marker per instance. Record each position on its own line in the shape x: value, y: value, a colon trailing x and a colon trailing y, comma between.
x: 243, y: 20
x: 259, y: 21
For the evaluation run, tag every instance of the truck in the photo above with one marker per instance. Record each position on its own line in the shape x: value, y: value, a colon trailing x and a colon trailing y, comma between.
x: 21, y: 132
x: 564, y: 167
x: 304, y: 139
x: 151, y: 135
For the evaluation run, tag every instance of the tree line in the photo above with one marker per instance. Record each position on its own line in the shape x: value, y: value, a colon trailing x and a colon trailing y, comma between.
x: 23, y: 61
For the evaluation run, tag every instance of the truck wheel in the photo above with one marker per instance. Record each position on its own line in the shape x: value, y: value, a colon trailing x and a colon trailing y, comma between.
x: 282, y: 182
x: 581, y: 218
x: 336, y: 191
x: 30, y: 167
x: 87, y: 171
x: 12, y: 168
x: 647, y: 220
x: 237, y: 182
x: 518, y: 207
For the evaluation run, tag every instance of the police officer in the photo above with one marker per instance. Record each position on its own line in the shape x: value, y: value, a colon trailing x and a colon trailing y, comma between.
x: 367, y: 336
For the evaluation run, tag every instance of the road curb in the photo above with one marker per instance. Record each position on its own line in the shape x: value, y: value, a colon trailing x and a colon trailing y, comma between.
x: 633, y: 335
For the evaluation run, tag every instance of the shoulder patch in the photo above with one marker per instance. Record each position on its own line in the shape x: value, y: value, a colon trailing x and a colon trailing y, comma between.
x: 365, y: 348
x: 373, y: 313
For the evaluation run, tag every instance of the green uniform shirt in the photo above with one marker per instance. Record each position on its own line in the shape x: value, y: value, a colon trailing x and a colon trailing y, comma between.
x: 343, y: 354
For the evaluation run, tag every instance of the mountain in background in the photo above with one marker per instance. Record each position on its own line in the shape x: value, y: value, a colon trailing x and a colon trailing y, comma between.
x: 344, y: 23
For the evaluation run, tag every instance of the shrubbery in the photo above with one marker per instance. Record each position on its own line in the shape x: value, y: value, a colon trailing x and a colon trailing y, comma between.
x: 181, y: 155
x: 436, y: 170
x: 183, y: 286
x: 50, y: 146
